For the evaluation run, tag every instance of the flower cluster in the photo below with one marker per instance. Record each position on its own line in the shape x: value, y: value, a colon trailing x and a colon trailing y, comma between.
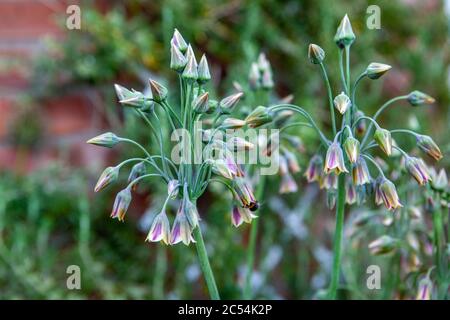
x: 186, y: 180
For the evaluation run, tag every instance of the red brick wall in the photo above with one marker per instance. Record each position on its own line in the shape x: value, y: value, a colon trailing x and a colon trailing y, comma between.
x: 68, y: 121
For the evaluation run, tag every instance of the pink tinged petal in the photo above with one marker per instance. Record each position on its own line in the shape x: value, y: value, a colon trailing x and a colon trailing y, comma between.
x: 236, y: 217
x: 175, y: 235
x: 288, y: 184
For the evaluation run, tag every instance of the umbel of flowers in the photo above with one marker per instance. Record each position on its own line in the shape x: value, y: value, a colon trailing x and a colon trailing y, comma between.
x: 186, y: 180
x: 344, y: 164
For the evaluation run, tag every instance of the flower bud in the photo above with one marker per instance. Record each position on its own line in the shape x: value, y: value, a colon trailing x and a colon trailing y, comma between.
x: 244, y: 194
x: 159, y: 92
x: 417, y: 98
x: 440, y: 182
x: 331, y: 199
x: 314, y: 169
x: 383, y: 245
x: 254, y: 76
x: 181, y: 230
x: 288, y: 184
x: 360, y: 172
x: 178, y: 41
x: 384, y: 140
x: 342, y: 103
x: 292, y: 162
x: 227, y: 104
x: 137, y: 171
x: 344, y: 34
x: 201, y: 103
x: 107, y: 140
x: 173, y: 188
x: 121, y: 204
x: 177, y: 60
x: 238, y: 144
x: 109, y: 175
x: 190, y: 211
x: 427, y: 145
x: 122, y: 92
x: 425, y: 289
x: 258, y: 117
x: 375, y: 70
x: 334, y: 161
x: 160, y: 229
x: 190, y: 72
x: 351, y: 147
x: 389, y: 194
x: 417, y: 168
x: 220, y: 167
x: 232, y: 123
x: 315, y: 54
x: 203, y: 71
x: 131, y: 98
x: 267, y: 79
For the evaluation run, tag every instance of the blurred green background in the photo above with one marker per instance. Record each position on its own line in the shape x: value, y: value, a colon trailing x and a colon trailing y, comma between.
x: 50, y: 217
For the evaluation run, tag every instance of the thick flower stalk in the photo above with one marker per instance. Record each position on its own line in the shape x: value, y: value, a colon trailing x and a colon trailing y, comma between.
x: 185, y: 175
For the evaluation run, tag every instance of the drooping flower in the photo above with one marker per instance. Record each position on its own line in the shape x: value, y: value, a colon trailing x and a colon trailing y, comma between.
x: 427, y: 145
x: 383, y: 138
x: 160, y: 229
x: 425, y: 289
x: 137, y: 171
x: 440, y: 180
x: 342, y: 102
x: 107, y: 140
x: 288, y: 184
x: 240, y: 215
x: 244, y: 194
x: 334, y: 161
x: 292, y: 162
x: 108, y: 176
x: 314, y: 169
x: 181, y: 230
x: 389, y: 195
x: 351, y: 147
x: 360, y: 172
x: 121, y: 204
x: 329, y: 182
x: 417, y: 168
x: 350, y: 192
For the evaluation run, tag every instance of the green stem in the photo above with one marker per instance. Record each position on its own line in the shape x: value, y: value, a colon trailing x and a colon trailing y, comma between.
x: 330, y: 97
x: 439, y: 253
x: 382, y: 108
x: 204, y: 264
x: 160, y: 271
x: 337, y: 246
x: 247, y: 292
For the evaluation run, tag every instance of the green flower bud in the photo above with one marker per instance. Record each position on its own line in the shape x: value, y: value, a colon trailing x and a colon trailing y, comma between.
x: 107, y: 140
x: 384, y: 140
x: 178, y: 41
x: 159, y: 92
x: 138, y: 170
x: 344, y: 34
x: 254, y: 77
x: 427, y: 145
x: 376, y: 70
x: 232, y: 123
x: 177, y: 60
x: 201, y: 103
x: 342, y: 103
x: 417, y: 98
x: 315, y: 54
x: 351, y: 147
x: 121, y: 204
x: 108, y: 176
x: 227, y: 104
x: 384, y: 245
x: 258, y: 117
x: 203, y: 71
x: 190, y: 71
